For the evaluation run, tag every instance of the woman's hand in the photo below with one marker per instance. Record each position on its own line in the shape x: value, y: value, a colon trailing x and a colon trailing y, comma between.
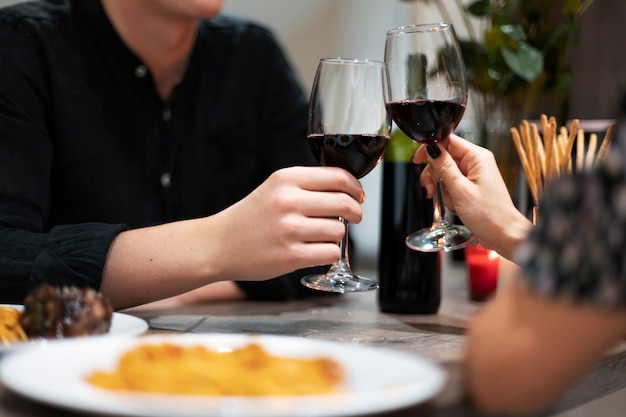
x: 474, y: 189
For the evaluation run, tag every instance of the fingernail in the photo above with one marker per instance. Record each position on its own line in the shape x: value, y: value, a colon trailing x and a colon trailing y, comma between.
x: 433, y: 150
x: 362, y: 197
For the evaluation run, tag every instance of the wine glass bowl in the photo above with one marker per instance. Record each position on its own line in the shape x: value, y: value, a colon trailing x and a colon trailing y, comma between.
x: 427, y: 99
x: 356, y: 153
x: 427, y: 121
x: 348, y: 127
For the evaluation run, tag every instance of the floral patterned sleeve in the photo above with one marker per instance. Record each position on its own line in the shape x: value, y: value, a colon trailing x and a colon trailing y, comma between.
x: 577, y: 251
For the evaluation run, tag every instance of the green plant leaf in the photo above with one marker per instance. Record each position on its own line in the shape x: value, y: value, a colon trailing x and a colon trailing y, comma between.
x: 474, y: 55
x: 480, y: 8
x: 519, y: 49
x: 516, y: 32
x: 525, y: 61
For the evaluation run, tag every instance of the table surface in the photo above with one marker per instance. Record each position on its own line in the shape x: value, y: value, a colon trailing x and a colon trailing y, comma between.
x: 355, y: 319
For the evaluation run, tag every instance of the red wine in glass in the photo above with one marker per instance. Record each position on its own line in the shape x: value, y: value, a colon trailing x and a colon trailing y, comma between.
x: 428, y: 93
x: 356, y: 153
x: 426, y: 121
x: 349, y: 127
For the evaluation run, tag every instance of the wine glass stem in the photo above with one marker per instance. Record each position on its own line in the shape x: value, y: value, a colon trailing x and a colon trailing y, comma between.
x: 440, y: 214
x: 343, y: 263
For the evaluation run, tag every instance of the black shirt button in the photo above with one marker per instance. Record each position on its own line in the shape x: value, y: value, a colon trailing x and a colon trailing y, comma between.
x: 141, y: 71
x: 166, y: 179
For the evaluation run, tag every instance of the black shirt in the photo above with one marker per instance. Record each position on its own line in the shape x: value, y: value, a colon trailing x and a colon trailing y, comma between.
x: 88, y: 149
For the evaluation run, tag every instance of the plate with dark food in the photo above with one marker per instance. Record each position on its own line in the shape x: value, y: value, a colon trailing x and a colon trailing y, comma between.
x: 52, y: 313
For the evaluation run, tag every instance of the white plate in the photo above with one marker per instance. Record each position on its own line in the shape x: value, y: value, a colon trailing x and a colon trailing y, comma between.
x: 377, y: 379
x: 121, y: 324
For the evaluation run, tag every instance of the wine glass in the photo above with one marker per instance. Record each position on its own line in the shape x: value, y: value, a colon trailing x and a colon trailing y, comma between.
x: 349, y: 127
x: 428, y: 95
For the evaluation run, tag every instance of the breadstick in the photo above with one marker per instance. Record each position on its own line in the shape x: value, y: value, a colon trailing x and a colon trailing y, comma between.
x: 529, y: 144
x: 570, y: 143
x: 541, y: 157
x: 556, y: 158
x: 591, y: 151
x: 562, y: 139
x: 531, y: 149
x: 608, y: 136
x: 530, y: 176
x: 551, y: 133
x: 548, y: 146
x: 580, y: 150
x: 538, y: 144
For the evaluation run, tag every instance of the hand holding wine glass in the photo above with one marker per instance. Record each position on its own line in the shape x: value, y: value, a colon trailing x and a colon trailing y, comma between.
x: 428, y: 95
x: 349, y: 128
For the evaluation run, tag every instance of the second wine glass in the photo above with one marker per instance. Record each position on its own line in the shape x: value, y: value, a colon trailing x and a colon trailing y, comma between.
x: 349, y: 127
x: 428, y: 95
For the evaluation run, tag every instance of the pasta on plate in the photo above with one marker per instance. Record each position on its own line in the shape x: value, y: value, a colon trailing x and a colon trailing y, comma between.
x: 197, y: 370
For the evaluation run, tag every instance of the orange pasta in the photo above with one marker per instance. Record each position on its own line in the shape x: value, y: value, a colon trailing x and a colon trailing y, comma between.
x: 247, y: 371
x: 10, y: 328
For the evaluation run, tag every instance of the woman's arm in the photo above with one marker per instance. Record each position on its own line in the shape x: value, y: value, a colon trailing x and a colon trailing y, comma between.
x: 524, y: 350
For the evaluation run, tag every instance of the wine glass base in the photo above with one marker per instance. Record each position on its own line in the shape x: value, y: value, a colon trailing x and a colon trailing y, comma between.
x: 441, y: 239
x: 339, y: 282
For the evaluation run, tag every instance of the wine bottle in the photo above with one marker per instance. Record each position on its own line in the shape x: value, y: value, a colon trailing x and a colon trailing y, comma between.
x: 410, y: 281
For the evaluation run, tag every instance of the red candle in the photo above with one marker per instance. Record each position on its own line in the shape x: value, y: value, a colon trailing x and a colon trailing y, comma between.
x: 482, y: 272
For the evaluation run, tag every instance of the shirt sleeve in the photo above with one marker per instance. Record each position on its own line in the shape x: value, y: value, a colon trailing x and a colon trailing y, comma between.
x: 30, y: 251
x: 72, y: 255
x: 577, y: 251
